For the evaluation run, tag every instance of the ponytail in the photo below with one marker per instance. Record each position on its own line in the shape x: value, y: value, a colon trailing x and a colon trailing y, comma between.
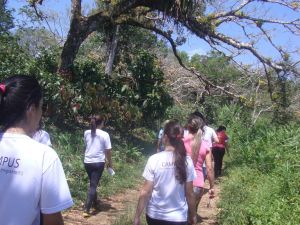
x: 93, y: 126
x: 95, y: 121
x: 175, y: 133
x: 194, y: 126
x: 196, y: 146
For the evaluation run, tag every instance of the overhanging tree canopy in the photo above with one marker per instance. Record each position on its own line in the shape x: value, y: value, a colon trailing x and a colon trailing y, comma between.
x: 202, y: 18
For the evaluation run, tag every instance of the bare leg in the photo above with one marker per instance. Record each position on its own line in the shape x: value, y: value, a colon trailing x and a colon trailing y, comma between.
x: 198, y: 192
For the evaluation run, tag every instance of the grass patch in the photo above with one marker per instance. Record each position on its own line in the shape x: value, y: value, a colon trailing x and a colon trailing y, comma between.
x: 263, y: 184
x: 127, y: 217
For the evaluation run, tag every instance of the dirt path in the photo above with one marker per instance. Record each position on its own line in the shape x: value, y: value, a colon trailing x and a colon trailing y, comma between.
x: 208, y: 210
x: 113, y: 207
x: 110, y: 209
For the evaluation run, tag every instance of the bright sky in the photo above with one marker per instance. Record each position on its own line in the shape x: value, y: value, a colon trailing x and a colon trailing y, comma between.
x: 193, y: 45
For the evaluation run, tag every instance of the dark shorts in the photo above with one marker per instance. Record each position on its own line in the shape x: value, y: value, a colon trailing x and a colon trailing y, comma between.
x: 151, y: 221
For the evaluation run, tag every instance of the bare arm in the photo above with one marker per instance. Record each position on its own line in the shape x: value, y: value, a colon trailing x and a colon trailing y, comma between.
x: 108, y: 157
x: 189, y: 194
x: 215, y: 138
x: 227, y: 147
x: 210, y: 172
x: 84, y: 148
x: 53, y: 219
x: 145, y: 194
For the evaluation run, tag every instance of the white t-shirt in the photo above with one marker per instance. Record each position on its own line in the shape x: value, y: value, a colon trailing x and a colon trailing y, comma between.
x: 42, y: 137
x: 160, y: 133
x: 96, y: 146
x: 209, y: 135
x: 32, y: 180
x: 168, y: 200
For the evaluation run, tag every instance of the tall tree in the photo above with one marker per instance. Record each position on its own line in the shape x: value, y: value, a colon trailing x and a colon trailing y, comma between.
x: 248, y: 16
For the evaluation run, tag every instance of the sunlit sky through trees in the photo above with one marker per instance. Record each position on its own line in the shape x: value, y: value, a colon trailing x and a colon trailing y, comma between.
x: 59, y: 10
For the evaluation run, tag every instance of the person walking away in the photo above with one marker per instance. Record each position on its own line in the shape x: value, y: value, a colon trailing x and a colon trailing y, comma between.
x: 42, y: 136
x: 97, y: 151
x: 219, y: 149
x: 167, y: 192
x: 160, y: 141
x: 209, y: 135
x: 200, y: 152
x: 32, y: 179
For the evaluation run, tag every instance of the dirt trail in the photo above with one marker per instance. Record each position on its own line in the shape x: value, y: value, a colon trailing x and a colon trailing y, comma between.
x: 110, y: 209
x: 114, y: 206
x: 208, y: 210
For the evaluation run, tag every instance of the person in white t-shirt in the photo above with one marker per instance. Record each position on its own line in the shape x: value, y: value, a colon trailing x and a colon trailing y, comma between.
x: 42, y: 136
x: 160, y: 144
x: 97, y: 151
x: 32, y: 180
x: 167, y: 192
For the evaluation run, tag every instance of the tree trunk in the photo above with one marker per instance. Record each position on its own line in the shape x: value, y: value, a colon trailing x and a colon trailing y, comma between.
x: 112, y: 46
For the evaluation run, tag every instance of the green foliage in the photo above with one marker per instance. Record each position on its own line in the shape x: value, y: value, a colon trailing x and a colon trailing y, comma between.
x: 263, y: 182
x: 69, y: 147
x: 144, y: 134
x: 282, y: 95
x: 6, y: 19
x: 128, y: 216
x: 184, y: 57
x: 35, y: 40
x: 124, y: 101
x: 216, y: 66
x: 135, y: 100
x: 13, y: 59
x: 180, y: 112
x: 127, y: 153
x: 152, y: 97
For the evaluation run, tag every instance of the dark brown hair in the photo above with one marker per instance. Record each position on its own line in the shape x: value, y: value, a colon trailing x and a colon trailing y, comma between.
x: 20, y: 93
x: 174, y: 132
x: 96, y: 120
x: 221, y: 128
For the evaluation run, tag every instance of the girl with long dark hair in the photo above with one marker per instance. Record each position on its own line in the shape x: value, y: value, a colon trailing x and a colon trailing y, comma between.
x: 32, y: 180
x: 167, y: 192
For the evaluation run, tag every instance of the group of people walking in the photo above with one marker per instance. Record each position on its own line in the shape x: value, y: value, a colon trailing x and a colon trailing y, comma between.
x: 33, y: 186
x: 175, y: 175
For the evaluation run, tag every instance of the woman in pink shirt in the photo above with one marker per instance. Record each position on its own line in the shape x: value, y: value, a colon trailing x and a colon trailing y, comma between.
x: 200, y: 153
